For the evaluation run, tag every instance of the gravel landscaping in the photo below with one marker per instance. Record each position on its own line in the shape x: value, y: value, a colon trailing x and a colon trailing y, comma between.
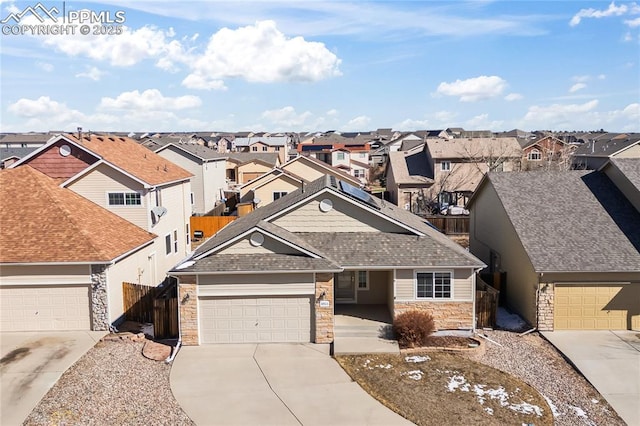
x: 530, y: 357
x: 112, y: 384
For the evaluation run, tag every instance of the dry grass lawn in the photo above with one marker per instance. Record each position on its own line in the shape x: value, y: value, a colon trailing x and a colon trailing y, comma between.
x: 436, y: 388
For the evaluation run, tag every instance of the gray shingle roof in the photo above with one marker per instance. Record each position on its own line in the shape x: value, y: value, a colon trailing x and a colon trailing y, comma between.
x: 606, y: 146
x: 15, y: 152
x: 200, y: 151
x: 575, y: 221
x: 630, y: 167
x: 257, y: 263
x: 242, y: 157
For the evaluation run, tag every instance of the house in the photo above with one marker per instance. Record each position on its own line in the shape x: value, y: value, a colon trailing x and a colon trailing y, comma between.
x: 457, y: 165
x: 24, y: 140
x: 348, y: 153
x: 408, y: 181
x: 569, y: 242
x: 208, y: 168
x: 8, y: 156
x: 595, y: 153
x: 241, y: 167
x: 546, y: 152
x: 132, y: 182
x: 310, y: 168
x: 277, y: 144
x: 280, y: 273
x: 63, y: 257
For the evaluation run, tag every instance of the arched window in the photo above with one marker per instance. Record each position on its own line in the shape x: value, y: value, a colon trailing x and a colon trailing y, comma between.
x: 534, y: 155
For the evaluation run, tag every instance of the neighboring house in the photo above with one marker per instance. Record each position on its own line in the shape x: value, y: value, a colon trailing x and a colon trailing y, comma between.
x: 241, y: 167
x: 209, y: 181
x: 269, y: 187
x: 569, y: 242
x: 8, y: 156
x: 279, y: 273
x: 408, y: 181
x: 129, y: 180
x: 595, y: 153
x: 63, y: 258
x: 277, y: 144
x: 459, y: 164
x: 24, y: 140
x: 310, y: 169
x: 348, y: 153
x: 548, y: 153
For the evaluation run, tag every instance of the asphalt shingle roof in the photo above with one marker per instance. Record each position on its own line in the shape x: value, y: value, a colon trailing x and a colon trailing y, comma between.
x: 630, y: 167
x: 42, y: 222
x: 257, y: 263
x: 572, y: 221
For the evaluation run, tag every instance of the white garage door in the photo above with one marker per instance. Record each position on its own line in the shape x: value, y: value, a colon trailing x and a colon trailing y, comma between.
x: 34, y: 308
x: 255, y: 319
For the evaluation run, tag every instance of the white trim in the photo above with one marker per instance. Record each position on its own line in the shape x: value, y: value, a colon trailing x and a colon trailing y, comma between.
x: 367, y: 286
x: 433, y: 271
x: 348, y: 199
x: 125, y: 205
x: 249, y: 231
x: 170, y: 245
x: 473, y: 298
x: 95, y: 165
x: 175, y: 241
x: 273, y: 193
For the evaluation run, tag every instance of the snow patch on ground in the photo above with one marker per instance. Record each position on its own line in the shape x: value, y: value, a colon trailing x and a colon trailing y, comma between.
x: 417, y: 358
x: 508, y: 321
x: 413, y: 374
x: 554, y: 409
x: 583, y: 415
x: 500, y: 394
x: 386, y: 367
x: 367, y: 365
x: 489, y: 410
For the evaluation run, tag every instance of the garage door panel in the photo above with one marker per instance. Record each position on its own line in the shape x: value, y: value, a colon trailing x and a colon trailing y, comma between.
x: 255, y: 319
x: 591, y: 307
x: 35, y: 308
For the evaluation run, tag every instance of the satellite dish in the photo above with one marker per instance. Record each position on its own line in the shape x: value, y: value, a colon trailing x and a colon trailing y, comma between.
x: 159, y: 211
x: 256, y: 200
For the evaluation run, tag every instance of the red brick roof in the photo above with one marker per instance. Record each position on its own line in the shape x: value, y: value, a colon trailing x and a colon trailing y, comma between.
x: 41, y: 222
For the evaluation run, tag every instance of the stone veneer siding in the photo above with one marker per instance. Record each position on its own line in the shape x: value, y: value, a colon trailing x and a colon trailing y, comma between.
x: 446, y: 315
x: 99, y: 299
x: 545, y: 307
x: 188, y: 311
x: 323, y: 317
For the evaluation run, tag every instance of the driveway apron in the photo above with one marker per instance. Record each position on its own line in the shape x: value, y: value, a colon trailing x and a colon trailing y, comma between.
x: 31, y: 363
x: 271, y: 384
x: 610, y: 360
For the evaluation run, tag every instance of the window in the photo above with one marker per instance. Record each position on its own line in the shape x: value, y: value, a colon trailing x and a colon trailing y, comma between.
x: 433, y: 285
x: 124, y: 199
x: 158, y: 197
x: 254, y: 148
x: 358, y: 173
x: 188, y: 239
x: 445, y: 166
x: 363, y: 280
x: 277, y: 148
x: 534, y: 155
x: 167, y: 244
x: 362, y: 155
x: 264, y: 148
x: 193, y: 199
x: 175, y: 240
x: 340, y: 156
x: 279, y: 194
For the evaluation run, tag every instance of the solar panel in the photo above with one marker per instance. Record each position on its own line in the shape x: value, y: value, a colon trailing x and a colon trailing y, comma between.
x: 358, y: 194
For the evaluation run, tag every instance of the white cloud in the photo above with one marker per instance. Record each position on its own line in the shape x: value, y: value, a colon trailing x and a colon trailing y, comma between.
x: 473, y: 89
x: 411, y: 124
x: 576, y: 87
x: 559, y: 115
x: 612, y: 10
x: 45, y: 66
x: 602, y: 77
x: 260, y: 53
x: 287, y: 117
x: 149, y: 100
x: 482, y: 122
x: 332, y: 112
x: 92, y: 73
x: 359, y: 123
x: 445, y: 116
x: 633, y: 23
x: 581, y: 78
x: 513, y: 97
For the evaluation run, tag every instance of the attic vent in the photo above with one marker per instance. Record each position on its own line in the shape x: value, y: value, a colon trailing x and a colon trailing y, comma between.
x: 100, y: 139
x: 112, y: 139
x: 122, y: 139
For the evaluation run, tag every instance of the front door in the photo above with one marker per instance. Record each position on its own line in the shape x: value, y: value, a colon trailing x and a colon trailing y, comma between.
x: 345, y: 287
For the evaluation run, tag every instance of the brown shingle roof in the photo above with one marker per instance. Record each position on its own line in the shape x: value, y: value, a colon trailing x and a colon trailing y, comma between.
x: 126, y: 154
x: 41, y: 222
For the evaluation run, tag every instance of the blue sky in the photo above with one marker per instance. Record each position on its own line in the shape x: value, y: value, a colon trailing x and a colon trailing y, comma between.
x: 314, y: 65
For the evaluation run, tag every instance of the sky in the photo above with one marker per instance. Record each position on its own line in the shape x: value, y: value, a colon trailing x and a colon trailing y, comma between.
x: 161, y: 66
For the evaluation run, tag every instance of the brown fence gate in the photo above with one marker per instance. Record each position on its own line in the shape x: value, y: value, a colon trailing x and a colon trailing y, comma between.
x: 156, y: 305
x: 486, y: 304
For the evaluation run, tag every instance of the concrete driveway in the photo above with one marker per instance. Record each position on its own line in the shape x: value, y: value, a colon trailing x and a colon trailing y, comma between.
x: 271, y: 384
x: 31, y: 363
x: 610, y: 360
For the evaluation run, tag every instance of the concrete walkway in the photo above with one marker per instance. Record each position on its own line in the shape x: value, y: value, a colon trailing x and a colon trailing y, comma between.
x: 271, y: 384
x: 363, y: 329
x: 31, y: 363
x: 610, y: 360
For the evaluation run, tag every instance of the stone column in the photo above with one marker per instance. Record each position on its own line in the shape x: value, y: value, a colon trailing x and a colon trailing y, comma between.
x: 545, y: 307
x: 188, y: 302
x: 324, y: 315
x: 99, y: 298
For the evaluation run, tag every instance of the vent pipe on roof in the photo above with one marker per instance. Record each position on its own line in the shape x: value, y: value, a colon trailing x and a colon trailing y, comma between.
x: 79, y: 133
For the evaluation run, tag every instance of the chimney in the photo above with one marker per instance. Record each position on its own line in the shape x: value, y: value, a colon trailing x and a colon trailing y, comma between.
x: 79, y: 133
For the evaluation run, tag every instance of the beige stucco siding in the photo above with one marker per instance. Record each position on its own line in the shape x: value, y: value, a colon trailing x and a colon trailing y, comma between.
x: 379, y: 283
x: 308, y: 171
x: 248, y: 171
x: 15, y: 275
x: 490, y: 228
x: 633, y: 152
x: 280, y: 184
x: 343, y: 217
x: 97, y: 183
x: 255, y: 285
x: 270, y: 245
x: 462, y: 284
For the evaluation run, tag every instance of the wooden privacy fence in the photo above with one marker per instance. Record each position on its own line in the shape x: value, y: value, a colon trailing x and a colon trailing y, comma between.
x: 209, y: 225
x: 156, y: 305
x: 486, y: 304
x: 450, y: 225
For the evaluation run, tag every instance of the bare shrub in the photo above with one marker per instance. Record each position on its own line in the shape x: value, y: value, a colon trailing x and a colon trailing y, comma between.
x: 413, y: 328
